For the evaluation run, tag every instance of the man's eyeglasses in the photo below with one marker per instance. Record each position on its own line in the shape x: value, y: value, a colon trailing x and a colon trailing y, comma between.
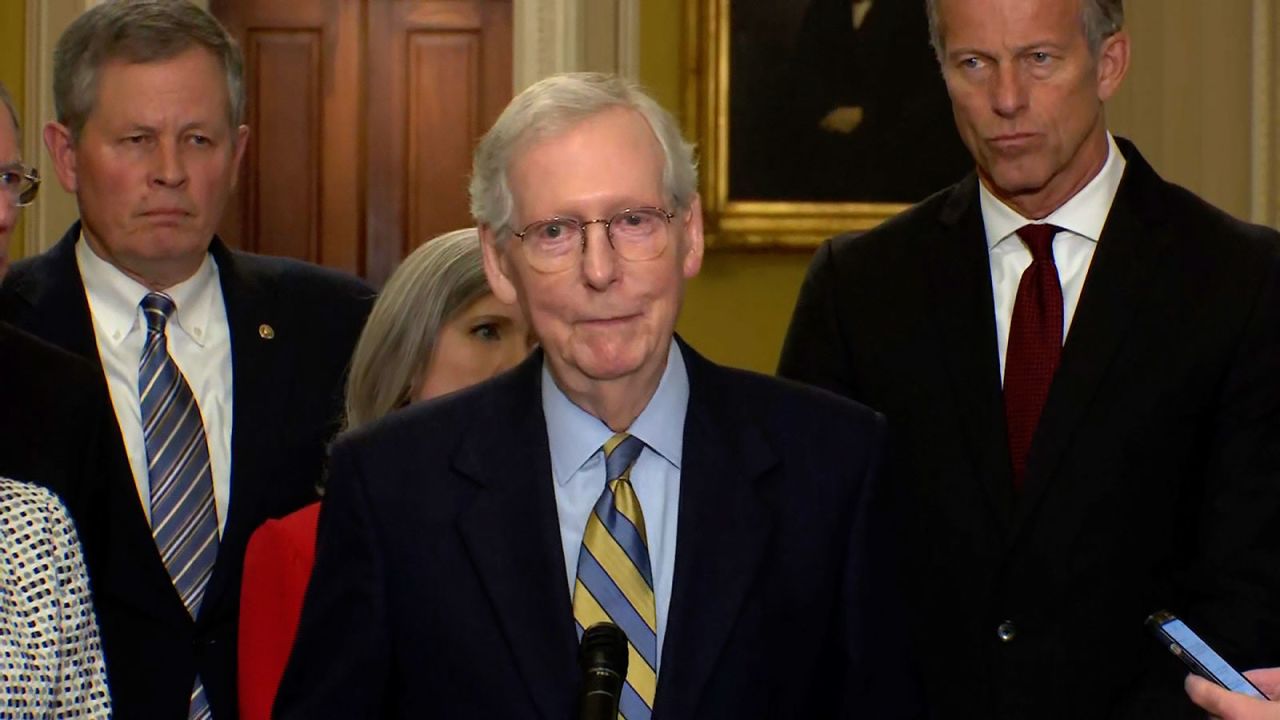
x: 19, y: 183
x: 557, y: 243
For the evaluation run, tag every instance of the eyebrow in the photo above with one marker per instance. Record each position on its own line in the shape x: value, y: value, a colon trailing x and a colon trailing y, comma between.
x: 1020, y: 50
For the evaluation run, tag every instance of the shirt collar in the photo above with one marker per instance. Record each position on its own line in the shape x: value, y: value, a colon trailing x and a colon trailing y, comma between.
x: 574, y: 435
x: 117, y: 297
x: 1084, y: 214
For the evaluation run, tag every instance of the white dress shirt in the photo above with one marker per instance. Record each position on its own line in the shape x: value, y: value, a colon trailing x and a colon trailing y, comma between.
x: 1081, y: 219
x: 575, y: 438
x: 199, y: 343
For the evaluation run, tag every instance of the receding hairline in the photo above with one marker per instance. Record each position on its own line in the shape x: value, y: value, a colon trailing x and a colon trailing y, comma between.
x: 11, y: 112
x: 563, y: 126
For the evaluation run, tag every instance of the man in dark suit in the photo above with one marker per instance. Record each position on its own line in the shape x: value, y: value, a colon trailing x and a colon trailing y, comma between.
x: 224, y: 369
x: 722, y: 519
x: 1053, y: 493
x: 55, y: 426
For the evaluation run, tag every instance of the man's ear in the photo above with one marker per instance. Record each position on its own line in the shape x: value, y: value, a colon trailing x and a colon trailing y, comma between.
x: 241, y: 141
x: 694, y: 242
x: 62, y: 148
x: 1113, y: 64
x: 496, y: 269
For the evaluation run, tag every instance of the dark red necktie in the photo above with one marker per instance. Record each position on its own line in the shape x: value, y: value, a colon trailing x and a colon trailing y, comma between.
x: 1035, y: 345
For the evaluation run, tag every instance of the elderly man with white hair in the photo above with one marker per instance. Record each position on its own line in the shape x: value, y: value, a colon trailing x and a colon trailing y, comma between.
x: 723, y: 520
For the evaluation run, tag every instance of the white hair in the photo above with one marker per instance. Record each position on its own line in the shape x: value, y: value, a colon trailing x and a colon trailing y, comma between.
x: 555, y: 104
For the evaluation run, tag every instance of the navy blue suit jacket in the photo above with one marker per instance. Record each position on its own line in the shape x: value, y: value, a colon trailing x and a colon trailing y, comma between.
x: 287, y: 400
x: 440, y: 591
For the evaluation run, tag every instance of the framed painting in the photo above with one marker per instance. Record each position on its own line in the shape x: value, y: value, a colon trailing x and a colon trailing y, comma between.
x: 814, y: 117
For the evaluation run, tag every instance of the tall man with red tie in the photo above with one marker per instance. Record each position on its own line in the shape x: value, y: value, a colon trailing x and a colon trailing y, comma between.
x: 1080, y: 366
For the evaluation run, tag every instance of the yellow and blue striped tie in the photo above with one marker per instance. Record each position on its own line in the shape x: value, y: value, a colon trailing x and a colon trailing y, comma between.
x: 615, y: 583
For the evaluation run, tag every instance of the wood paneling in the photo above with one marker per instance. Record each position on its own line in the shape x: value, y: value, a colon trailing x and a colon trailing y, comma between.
x: 363, y: 114
x: 442, y: 121
x: 301, y: 192
x: 284, y: 167
x: 440, y: 77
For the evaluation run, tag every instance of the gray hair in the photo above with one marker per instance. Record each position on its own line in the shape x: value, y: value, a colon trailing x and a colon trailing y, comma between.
x: 555, y: 104
x: 434, y: 283
x: 1100, y: 19
x: 7, y: 100
x: 137, y: 31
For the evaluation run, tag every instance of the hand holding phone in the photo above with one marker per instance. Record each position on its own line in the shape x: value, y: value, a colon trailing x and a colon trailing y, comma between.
x: 1226, y: 705
x: 1198, y: 656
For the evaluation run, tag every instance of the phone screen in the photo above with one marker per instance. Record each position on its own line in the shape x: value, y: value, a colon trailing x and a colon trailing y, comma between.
x: 1210, y: 660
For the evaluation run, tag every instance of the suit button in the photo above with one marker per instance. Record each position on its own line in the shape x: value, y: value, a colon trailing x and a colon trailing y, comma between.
x: 1007, y: 631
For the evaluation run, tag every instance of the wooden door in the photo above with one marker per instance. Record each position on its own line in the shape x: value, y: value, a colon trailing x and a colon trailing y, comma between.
x: 440, y: 75
x: 363, y: 115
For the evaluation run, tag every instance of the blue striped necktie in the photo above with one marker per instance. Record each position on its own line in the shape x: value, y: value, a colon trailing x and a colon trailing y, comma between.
x: 615, y: 583
x: 183, y: 519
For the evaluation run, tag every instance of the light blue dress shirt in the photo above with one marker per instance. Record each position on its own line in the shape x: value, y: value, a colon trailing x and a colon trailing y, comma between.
x: 577, y: 467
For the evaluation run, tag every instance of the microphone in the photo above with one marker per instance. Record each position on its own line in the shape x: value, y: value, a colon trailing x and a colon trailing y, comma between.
x: 603, y: 659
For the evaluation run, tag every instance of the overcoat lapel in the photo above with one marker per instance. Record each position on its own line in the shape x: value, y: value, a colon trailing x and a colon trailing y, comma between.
x: 131, y: 558
x: 1132, y: 245
x: 960, y: 278
x: 261, y: 355
x: 722, y: 532
x: 512, y: 535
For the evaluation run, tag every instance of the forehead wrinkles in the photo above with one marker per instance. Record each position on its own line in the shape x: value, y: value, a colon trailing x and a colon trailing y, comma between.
x: 1009, y: 25
x: 164, y: 94
x: 612, y: 156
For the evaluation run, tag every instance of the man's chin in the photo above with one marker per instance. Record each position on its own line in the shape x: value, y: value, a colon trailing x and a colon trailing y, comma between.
x: 597, y: 366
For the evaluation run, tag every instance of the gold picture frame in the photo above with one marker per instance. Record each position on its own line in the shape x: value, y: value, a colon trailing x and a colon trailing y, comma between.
x: 744, y: 223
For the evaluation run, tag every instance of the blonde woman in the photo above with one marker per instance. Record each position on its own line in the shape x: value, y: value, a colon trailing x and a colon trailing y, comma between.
x: 435, y: 328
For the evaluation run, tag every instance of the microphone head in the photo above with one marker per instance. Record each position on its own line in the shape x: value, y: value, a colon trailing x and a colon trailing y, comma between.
x: 604, y: 647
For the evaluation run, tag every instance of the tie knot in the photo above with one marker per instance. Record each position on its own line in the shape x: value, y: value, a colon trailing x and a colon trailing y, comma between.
x: 1038, y: 237
x: 156, y: 308
x: 620, y: 452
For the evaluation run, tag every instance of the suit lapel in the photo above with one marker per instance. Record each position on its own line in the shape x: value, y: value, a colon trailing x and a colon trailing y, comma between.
x: 259, y: 363
x: 1131, y: 245
x: 513, y: 537
x: 959, y: 270
x: 723, y: 529
x: 56, y: 289
x: 131, y: 558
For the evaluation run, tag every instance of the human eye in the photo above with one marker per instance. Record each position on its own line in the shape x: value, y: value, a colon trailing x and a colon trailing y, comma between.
x: 552, y: 230
x: 10, y: 178
x: 557, y: 235
x: 635, y: 223
x: 200, y: 140
x: 971, y: 62
x: 487, y: 331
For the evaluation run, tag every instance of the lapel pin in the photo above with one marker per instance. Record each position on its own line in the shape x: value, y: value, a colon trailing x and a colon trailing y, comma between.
x: 266, y: 332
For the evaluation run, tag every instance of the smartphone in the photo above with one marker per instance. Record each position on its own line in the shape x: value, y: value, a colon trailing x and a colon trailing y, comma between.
x: 1196, y: 653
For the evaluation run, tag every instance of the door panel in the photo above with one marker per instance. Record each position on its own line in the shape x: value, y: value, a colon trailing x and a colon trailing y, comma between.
x: 441, y: 76
x: 363, y: 115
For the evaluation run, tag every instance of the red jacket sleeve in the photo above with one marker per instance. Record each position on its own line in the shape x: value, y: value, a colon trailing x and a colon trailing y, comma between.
x: 277, y: 565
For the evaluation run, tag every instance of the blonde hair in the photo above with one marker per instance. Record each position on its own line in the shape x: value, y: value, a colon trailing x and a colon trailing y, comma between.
x: 433, y: 284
